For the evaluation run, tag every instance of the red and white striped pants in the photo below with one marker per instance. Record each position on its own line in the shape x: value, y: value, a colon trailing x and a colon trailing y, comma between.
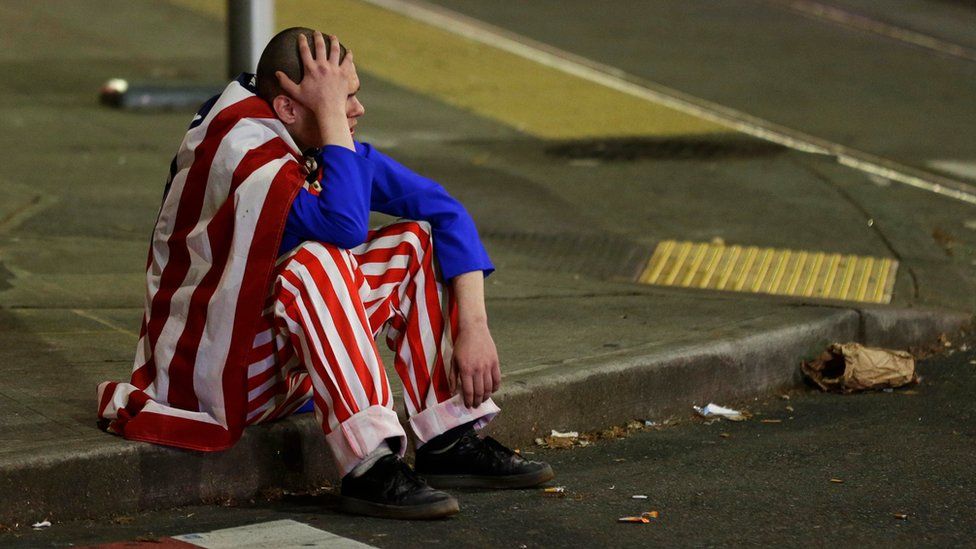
x: 318, y: 341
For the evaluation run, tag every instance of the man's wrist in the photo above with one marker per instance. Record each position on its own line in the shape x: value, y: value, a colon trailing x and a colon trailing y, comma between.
x: 335, y: 130
x: 472, y: 322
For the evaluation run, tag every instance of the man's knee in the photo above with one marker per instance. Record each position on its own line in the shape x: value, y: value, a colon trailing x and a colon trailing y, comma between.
x: 321, y: 263
x: 420, y: 229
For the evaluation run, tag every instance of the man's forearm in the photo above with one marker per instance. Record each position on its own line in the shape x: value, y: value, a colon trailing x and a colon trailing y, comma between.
x: 469, y: 289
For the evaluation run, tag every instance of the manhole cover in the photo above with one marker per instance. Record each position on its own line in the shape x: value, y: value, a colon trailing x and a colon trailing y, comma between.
x: 667, y: 148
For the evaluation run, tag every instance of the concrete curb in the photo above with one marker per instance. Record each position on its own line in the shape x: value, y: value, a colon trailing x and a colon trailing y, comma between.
x: 291, y: 455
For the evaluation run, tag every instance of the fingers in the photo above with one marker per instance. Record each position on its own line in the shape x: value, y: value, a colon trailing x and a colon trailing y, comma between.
x: 286, y: 83
x: 348, y: 58
x: 489, y: 385
x: 467, y: 390
x: 321, y: 53
x: 496, y: 378
x: 478, y: 381
x: 334, y: 50
x: 304, y: 52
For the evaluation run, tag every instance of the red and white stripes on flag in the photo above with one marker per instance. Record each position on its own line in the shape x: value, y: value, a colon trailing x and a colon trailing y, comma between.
x: 210, y: 264
x: 328, y: 305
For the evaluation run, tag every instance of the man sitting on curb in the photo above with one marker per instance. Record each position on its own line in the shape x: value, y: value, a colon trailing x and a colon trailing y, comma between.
x: 265, y: 289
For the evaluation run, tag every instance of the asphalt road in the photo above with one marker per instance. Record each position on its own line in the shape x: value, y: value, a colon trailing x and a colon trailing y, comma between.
x: 910, y: 452
x: 857, y: 88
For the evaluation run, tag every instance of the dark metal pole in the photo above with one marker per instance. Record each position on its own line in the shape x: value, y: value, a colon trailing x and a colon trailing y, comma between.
x: 250, y: 24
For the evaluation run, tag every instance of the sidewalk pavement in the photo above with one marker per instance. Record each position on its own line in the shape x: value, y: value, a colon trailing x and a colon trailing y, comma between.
x: 582, y: 345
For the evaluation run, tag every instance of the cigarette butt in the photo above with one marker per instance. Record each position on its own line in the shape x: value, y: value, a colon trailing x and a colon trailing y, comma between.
x: 772, y: 421
x: 554, y: 489
x: 638, y: 496
x: 837, y: 481
x: 633, y: 519
x: 650, y: 514
x: 900, y: 516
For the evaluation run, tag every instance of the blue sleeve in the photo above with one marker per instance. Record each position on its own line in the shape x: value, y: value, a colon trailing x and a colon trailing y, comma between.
x: 400, y: 192
x: 340, y: 213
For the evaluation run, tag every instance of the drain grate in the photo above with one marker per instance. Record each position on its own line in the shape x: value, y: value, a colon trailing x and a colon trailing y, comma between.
x: 771, y: 271
x: 681, y: 148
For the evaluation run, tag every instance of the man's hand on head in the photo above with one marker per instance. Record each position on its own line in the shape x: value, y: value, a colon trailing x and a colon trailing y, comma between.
x: 324, y: 87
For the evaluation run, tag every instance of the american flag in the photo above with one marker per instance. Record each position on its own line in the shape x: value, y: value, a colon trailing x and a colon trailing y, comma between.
x: 210, y: 262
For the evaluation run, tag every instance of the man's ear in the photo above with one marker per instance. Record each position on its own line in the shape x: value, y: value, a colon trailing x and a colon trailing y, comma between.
x: 284, y: 107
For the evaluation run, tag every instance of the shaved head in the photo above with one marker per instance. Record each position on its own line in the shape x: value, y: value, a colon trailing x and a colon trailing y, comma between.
x: 282, y: 54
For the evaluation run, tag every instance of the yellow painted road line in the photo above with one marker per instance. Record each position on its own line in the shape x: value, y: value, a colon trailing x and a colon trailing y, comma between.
x: 533, y: 98
x: 771, y: 271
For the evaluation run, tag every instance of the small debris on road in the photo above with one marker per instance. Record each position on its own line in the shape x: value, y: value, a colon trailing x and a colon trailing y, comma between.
x: 714, y: 410
x: 771, y: 421
x: 789, y: 409
x: 837, y: 481
x: 634, y: 519
x: 554, y: 491
x: 725, y: 435
x: 849, y: 367
x: 644, y: 518
x: 41, y: 525
x: 638, y: 496
x: 558, y: 439
x: 900, y: 516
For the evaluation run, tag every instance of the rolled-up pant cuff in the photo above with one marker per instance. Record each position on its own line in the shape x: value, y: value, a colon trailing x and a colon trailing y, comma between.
x: 449, y: 414
x: 359, y: 435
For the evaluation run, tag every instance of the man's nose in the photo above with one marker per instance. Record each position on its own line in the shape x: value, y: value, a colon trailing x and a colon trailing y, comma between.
x: 357, y: 109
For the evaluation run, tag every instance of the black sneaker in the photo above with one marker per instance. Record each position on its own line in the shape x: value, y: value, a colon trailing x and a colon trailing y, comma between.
x: 390, y: 489
x: 480, y: 463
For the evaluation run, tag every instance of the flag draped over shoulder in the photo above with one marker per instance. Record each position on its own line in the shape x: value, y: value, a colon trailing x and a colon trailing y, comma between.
x: 210, y: 261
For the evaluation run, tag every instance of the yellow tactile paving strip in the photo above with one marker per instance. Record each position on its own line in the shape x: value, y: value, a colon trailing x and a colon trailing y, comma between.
x: 773, y: 271
x: 530, y: 97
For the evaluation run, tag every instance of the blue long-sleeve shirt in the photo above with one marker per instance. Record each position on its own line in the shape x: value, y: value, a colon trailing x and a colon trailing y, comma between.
x: 355, y: 183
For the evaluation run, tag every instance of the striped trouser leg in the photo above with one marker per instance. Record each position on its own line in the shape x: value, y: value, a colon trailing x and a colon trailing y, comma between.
x: 319, y: 339
x: 405, y: 297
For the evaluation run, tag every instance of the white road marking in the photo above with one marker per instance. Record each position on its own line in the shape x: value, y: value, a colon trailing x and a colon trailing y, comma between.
x: 280, y: 534
x: 956, y: 167
x: 860, y: 22
x: 619, y: 80
x: 114, y: 327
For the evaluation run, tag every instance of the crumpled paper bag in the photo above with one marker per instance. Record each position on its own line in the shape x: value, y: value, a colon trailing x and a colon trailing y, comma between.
x: 849, y: 367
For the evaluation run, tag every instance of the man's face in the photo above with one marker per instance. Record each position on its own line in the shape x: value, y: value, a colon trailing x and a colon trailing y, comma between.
x: 305, y: 130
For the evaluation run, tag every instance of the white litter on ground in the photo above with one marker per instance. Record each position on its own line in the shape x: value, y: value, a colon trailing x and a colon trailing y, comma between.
x: 42, y: 524
x: 714, y: 410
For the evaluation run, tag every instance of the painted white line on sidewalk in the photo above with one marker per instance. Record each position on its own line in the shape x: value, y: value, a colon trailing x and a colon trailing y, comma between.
x: 280, y: 534
x: 956, y: 167
x: 617, y: 79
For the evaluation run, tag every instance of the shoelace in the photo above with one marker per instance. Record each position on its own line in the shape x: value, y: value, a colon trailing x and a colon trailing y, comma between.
x: 409, y: 476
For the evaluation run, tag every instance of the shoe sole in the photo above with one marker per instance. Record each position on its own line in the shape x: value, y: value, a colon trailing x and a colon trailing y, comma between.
x: 524, y: 480
x: 427, y: 511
